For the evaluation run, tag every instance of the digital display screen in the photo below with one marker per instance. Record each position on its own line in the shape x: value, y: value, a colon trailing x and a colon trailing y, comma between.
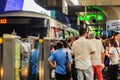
x: 14, y: 20
x: 3, y: 21
x: 12, y: 5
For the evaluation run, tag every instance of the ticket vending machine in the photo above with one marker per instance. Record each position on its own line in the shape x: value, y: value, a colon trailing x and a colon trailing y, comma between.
x: 11, y: 57
x: 1, y: 55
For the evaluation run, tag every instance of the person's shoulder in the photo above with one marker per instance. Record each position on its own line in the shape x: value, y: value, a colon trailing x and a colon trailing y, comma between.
x: 76, y: 41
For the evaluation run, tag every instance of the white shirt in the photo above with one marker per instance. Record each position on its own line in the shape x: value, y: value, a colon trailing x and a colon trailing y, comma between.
x: 81, y: 49
x: 115, y: 56
x: 96, y: 58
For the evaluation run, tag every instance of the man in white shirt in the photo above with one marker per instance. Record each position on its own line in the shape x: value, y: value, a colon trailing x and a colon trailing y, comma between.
x: 98, y: 58
x: 82, y: 49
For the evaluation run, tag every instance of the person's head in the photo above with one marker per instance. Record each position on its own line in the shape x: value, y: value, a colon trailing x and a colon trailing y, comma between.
x: 64, y: 43
x: 113, y: 42
x: 83, y: 32
x: 55, y: 47
x: 103, y: 38
x: 91, y: 35
x: 116, y: 35
x: 59, y: 45
x: 36, y: 44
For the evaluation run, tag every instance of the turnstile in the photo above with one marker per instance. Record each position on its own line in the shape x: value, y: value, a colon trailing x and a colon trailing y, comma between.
x: 44, y: 71
x: 1, y: 58
x: 11, y: 58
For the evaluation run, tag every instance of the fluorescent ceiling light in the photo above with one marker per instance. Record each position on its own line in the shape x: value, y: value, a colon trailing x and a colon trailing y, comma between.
x: 75, y: 2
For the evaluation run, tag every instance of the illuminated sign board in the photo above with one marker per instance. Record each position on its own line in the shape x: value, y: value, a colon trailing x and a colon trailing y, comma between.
x: 96, y: 31
x: 14, y: 20
x: 88, y: 17
x: 12, y: 5
x: 3, y: 21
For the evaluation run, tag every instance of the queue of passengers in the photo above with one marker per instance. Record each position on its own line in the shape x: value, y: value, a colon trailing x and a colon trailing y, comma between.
x: 89, y: 58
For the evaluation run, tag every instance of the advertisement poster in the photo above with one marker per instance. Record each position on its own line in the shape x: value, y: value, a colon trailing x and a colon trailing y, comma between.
x: 113, y: 25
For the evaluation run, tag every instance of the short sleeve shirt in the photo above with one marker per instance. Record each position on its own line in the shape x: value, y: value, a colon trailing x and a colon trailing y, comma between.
x: 82, y: 49
x: 60, y: 57
x: 115, y: 55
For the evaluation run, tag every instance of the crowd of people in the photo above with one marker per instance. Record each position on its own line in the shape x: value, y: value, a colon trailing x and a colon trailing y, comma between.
x: 89, y: 58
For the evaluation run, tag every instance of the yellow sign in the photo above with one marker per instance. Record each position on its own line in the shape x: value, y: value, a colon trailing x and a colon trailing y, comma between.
x: 1, y: 40
x: 40, y: 40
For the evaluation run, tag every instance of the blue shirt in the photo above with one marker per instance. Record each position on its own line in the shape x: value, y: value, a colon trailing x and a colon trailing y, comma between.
x: 35, y: 61
x: 60, y: 57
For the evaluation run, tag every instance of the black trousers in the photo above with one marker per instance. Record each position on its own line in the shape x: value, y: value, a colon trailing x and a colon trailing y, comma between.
x: 61, y: 76
x: 33, y: 77
x: 112, y: 72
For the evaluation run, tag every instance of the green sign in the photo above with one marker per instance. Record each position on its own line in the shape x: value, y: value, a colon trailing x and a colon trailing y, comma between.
x: 96, y: 31
x: 88, y: 17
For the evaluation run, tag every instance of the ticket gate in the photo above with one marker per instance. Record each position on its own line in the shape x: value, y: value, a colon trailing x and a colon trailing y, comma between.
x: 46, y: 51
x: 11, y: 58
x: 44, y: 66
x: 1, y: 55
x: 12, y: 62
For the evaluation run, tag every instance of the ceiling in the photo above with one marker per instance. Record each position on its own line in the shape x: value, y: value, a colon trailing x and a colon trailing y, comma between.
x: 109, y: 8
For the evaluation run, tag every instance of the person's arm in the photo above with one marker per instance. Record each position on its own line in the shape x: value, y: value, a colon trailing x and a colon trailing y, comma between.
x: 92, y: 48
x: 102, y: 57
x: 110, y: 53
x: 52, y: 64
x: 102, y: 53
x: 51, y: 61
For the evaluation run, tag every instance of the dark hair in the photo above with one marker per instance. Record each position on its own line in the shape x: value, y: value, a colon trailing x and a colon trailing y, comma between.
x: 64, y: 43
x: 82, y: 31
x: 103, y: 37
x: 113, y: 42
x: 59, y: 45
x: 107, y: 42
x: 55, y: 46
x: 36, y: 44
x: 115, y: 33
x: 69, y: 40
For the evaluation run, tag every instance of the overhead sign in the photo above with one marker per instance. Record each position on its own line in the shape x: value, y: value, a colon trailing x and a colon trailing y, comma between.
x: 113, y: 25
x: 88, y: 17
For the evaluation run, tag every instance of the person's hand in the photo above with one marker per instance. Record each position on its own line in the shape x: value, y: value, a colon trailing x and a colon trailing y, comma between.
x: 102, y: 65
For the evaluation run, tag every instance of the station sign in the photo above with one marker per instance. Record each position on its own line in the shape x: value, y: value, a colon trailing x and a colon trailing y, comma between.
x: 88, y: 17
